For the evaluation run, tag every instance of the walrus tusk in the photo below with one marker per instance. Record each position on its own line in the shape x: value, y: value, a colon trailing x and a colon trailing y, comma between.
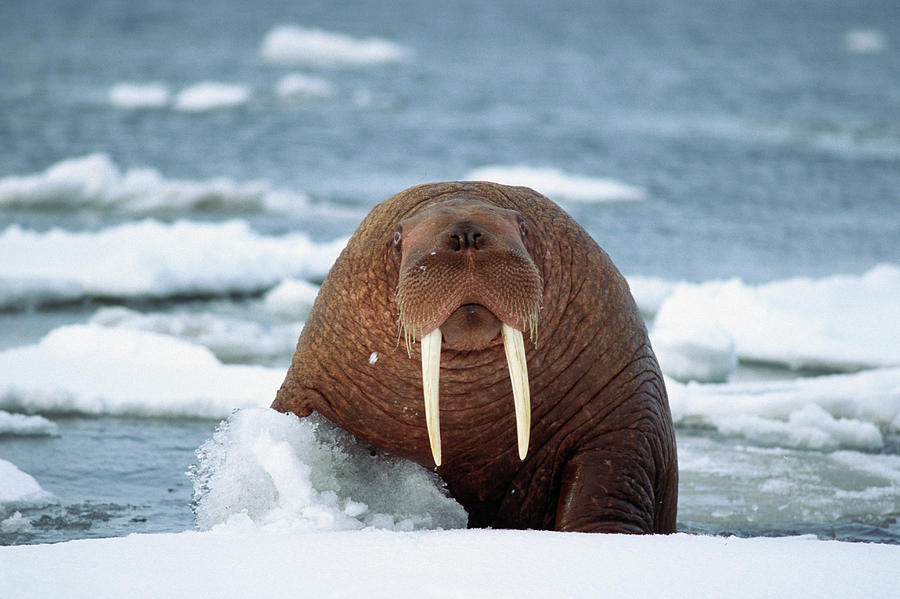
x: 431, y: 367
x: 514, y: 346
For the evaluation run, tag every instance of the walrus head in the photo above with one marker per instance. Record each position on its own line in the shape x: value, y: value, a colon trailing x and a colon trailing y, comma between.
x: 467, y: 282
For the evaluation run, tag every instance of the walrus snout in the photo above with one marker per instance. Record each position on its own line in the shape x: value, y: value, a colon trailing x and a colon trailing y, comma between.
x: 465, y: 236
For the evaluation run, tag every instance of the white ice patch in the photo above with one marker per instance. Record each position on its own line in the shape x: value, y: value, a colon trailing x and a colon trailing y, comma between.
x: 17, y: 523
x: 26, y: 426
x: 95, y: 182
x: 19, y: 489
x: 313, y: 47
x: 277, y: 471
x: 211, y: 95
x: 230, y: 338
x: 558, y: 185
x: 131, y: 96
x: 298, y: 86
x: 90, y: 369
x: 650, y: 293
x: 865, y: 41
x: 153, y: 259
x: 292, y: 298
x: 697, y: 351
x: 834, y: 323
x: 827, y: 412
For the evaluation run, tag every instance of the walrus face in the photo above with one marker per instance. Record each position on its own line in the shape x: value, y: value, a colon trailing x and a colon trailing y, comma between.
x: 467, y: 281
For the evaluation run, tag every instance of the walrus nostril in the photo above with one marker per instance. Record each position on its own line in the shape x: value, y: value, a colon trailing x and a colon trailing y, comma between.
x: 465, y: 237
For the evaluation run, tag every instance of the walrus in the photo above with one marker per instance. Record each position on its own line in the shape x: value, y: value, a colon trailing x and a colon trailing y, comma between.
x: 477, y: 329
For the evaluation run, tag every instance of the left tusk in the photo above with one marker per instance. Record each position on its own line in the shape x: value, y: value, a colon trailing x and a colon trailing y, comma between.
x: 514, y: 345
x: 431, y: 367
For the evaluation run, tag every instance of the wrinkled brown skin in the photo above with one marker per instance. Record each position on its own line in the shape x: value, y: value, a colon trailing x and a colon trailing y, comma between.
x: 602, y: 455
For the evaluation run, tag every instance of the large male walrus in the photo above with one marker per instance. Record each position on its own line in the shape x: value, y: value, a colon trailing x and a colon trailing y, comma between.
x: 566, y: 427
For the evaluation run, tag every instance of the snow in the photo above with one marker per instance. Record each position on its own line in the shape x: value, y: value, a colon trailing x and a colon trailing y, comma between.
x: 153, y: 259
x: 211, y: 95
x: 836, y: 323
x: 276, y: 471
x: 559, y: 185
x: 132, y: 96
x: 460, y: 563
x: 91, y: 369
x: 95, y: 182
x: 291, y: 297
x: 19, y: 489
x: 291, y: 44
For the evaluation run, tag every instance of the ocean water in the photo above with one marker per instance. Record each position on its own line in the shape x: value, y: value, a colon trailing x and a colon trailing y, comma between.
x: 176, y: 178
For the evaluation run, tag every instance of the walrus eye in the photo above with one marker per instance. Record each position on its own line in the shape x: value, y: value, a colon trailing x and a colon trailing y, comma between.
x: 398, y: 235
x: 523, y: 228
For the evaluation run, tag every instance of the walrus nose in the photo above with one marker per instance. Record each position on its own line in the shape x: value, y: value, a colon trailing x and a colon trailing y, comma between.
x: 465, y: 236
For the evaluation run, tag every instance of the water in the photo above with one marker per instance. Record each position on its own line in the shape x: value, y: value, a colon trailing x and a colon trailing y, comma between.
x: 763, y: 138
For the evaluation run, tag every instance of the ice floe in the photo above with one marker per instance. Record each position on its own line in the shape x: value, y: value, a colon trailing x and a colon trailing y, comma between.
x: 95, y: 370
x: 26, y: 426
x: 298, y: 86
x: 292, y: 44
x: 836, y: 323
x: 211, y: 95
x: 139, y: 95
x: 559, y: 185
x: 152, y: 259
x: 95, y: 182
x: 19, y: 489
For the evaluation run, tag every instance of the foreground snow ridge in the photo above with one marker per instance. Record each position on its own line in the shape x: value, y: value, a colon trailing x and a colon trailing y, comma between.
x: 460, y: 563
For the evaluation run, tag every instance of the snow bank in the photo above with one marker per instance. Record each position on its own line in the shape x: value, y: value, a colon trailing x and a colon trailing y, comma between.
x: 18, y: 489
x: 153, y: 259
x: 132, y: 96
x: 459, y: 563
x: 89, y: 369
x: 823, y: 413
x: 297, y: 86
x: 211, y: 95
x: 267, y: 469
x: 558, y: 185
x: 95, y: 182
x: 315, y: 47
x: 837, y: 323
x: 22, y: 425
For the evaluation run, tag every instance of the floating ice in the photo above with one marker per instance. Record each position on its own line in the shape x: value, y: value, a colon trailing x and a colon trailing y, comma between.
x: 292, y: 298
x: 22, y: 425
x: 650, y: 293
x: 558, y: 185
x: 230, y: 338
x: 139, y: 95
x: 697, y: 351
x: 211, y: 95
x: 314, y: 47
x: 153, y: 259
x: 865, y: 41
x: 297, y: 86
x: 95, y: 182
x: 279, y: 471
x: 90, y: 369
x: 825, y: 412
x: 837, y: 323
x: 18, y: 489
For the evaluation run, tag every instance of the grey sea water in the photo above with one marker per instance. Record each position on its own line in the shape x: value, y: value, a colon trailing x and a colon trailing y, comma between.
x: 764, y: 136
